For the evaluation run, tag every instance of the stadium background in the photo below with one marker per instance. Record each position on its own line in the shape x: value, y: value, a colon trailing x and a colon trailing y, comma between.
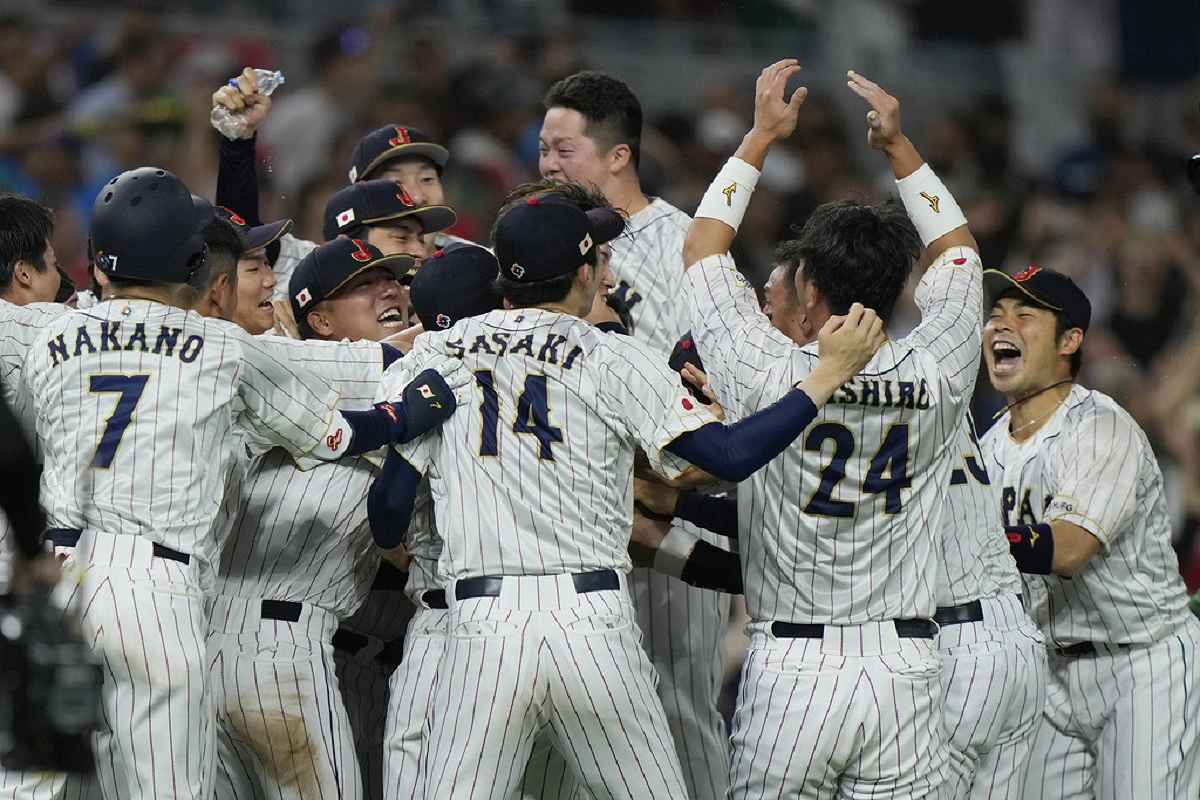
x: 1062, y: 126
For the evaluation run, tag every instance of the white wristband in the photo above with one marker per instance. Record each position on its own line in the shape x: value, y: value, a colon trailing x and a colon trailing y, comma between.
x: 729, y: 193
x: 672, y: 553
x: 929, y: 204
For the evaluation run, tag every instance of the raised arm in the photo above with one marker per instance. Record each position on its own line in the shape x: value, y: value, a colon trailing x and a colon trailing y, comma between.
x: 929, y: 204
x: 713, y: 229
x: 237, y: 174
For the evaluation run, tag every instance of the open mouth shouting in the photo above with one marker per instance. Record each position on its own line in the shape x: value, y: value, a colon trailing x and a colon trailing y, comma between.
x: 1006, y: 357
x: 392, y: 319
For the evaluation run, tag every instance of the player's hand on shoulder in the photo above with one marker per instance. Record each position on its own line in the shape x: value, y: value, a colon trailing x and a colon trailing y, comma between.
x: 883, y: 120
x: 698, y: 380
x: 244, y: 99
x: 775, y: 113
x: 847, y: 343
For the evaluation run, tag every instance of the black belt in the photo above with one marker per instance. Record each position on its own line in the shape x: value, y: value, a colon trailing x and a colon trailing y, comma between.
x: 963, y: 613
x: 960, y: 614
x: 69, y: 537
x: 489, y: 585
x: 1088, y: 649
x: 435, y: 598
x: 905, y: 629
x: 350, y: 643
x: 282, y: 610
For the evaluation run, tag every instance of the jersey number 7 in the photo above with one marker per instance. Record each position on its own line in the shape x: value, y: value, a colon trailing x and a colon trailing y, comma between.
x: 533, y: 415
x: 130, y: 388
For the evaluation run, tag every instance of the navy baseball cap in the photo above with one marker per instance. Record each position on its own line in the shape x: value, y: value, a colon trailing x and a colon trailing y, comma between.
x: 1046, y: 288
x: 685, y: 352
x: 258, y: 236
x: 389, y: 143
x: 453, y: 284
x: 328, y: 268
x: 372, y: 202
x: 548, y: 236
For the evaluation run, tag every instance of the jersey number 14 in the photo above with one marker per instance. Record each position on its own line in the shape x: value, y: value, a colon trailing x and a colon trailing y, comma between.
x: 533, y: 415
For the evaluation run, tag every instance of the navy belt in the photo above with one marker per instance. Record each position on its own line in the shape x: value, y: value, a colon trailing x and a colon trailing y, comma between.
x: 905, y: 629
x: 69, y: 537
x: 435, y: 598
x: 489, y: 585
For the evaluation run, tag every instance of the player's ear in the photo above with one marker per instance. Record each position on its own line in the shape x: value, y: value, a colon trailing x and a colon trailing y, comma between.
x: 23, y: 273
x: 1070, y: 342
x: 319, y: 323
x: 619, y: 157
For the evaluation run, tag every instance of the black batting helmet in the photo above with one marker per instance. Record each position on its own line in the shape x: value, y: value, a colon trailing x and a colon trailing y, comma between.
x: 148, y: 228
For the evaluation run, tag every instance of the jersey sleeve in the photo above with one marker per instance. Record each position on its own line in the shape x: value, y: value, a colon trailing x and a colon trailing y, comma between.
x: 649, y: 401
x: 735, y: 339
x: 950, y: 298
x: 291, y: 250
x: 351, y: 368
x: 284, y: 402
x: 1096, y: 474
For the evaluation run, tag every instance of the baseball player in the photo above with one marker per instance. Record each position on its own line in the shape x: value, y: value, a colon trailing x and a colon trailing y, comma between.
x: 591, y: 134
x: 1083, y: 506
x: 297, y: 558
x: 134, y: 402
x: 534, y: 516
x: 841, y: 691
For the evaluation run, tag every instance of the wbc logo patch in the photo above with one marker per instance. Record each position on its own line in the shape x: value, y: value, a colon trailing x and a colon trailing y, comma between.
x: 517, y: 270
x: 442, y: 321
x: 345, y: 218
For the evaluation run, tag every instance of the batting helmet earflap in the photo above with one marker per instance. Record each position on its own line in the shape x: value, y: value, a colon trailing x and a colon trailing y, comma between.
x: 148, y: 228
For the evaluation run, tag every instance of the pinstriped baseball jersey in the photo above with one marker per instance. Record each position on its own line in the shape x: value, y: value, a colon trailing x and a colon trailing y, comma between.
x: 975, y: 559
x: 1091, y: 465
x: 135, y: 402
x: 542, y: 464
x: 840, y: 527
x: 424, y: 545
x: 19, y: 326
x: 646, y: 261
x: 299, y: 535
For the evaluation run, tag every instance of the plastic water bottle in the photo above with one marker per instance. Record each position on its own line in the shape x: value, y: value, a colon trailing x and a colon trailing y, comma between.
x: 232, y: 124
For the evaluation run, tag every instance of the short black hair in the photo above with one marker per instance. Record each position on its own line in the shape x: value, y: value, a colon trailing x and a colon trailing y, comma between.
x: 854, y: 253
x: 1062, y: 324
x: 613, y: 112
x: 585, y: 198
x: 225, y: 248
x: 527, y: 294
x: 26, y: 228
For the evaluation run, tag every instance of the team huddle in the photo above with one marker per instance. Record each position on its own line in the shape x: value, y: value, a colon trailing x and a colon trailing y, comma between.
x: 400, y: 515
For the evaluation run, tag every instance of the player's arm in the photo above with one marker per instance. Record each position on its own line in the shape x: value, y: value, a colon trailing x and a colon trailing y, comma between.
x: 19, y: 486
x: 664, y: 503
x: 391, y: 500
x: 950, y: 294
x: 720, y: 213
x: 300, y: 411
x: 237, y: 174
x: 675, y: 552
x: 1095, y: 498
x: 929, y: 203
